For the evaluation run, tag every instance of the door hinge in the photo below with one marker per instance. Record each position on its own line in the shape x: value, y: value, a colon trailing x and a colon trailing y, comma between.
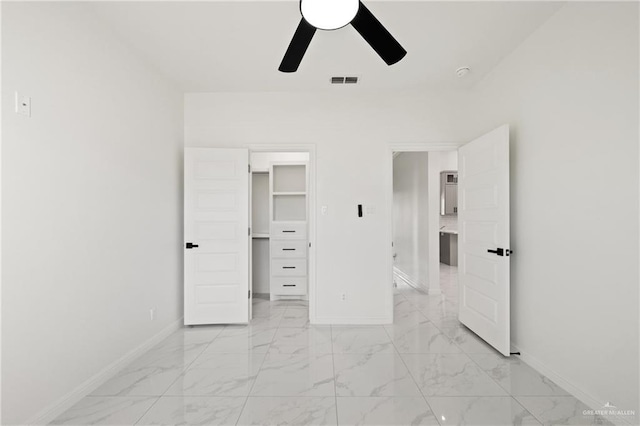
x: 249, y: 294
x: 249, y: 231
x: 249, y: 167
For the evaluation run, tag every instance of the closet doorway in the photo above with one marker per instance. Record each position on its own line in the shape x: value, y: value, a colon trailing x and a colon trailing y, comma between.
x: 248, y: 227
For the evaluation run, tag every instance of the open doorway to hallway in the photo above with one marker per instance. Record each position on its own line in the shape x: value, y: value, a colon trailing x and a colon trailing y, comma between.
x: 424, y: 228
x: 425, y: 266
x: 483, y: 180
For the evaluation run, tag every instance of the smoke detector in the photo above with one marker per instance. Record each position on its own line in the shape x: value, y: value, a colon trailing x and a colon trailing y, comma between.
x: 462, y: 71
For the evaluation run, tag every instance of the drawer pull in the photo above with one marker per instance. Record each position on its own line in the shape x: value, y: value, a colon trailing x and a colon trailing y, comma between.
x: 289, y: 231
x: 288, y: 285
x: 286, y: 249
x: 288, y: 267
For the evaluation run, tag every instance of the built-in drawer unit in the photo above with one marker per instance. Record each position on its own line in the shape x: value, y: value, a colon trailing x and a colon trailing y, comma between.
x: 289, y: 267
x: 293, y: 286
x: 289, y: 230
x: 288, y: 235
x: 289, y: 249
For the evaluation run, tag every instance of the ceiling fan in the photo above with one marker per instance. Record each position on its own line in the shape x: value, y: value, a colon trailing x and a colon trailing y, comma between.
x: 334, y: 14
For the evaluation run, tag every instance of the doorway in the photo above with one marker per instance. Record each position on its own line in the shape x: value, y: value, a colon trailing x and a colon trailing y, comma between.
x: 221, y: 257
x: 280, y: 243
x: 421, y: 223
x: 483, y: 242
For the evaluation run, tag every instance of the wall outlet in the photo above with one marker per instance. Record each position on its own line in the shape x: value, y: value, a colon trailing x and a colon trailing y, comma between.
x: 343, y: 296
x: 23, y: 105
x: 152, y: 314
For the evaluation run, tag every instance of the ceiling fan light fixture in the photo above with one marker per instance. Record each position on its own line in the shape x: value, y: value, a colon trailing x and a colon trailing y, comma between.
x: 334, y: 14
x: 329, y: 14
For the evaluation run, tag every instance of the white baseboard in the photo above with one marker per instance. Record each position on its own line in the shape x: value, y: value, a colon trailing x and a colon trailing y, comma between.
x: 397, y: 273
x: 274, y: 297
x: 404, y: 277
x: 48, y: 414
x: 580, y: 394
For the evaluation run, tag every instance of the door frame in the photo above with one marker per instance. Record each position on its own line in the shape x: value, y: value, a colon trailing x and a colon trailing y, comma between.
x: 403, y: 147
x: 311, y: 149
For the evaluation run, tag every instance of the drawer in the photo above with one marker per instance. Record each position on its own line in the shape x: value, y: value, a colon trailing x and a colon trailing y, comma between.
x: 289, y: 267
x: 289, y: 286
x: 289, y: 249
x: 289, y: 231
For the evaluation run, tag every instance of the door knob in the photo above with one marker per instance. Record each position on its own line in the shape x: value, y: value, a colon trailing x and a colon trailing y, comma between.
x: 191, y: 245
x: 498, y: 251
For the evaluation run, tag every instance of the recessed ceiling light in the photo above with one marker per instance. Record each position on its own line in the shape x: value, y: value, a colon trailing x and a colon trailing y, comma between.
x: 462, y: 71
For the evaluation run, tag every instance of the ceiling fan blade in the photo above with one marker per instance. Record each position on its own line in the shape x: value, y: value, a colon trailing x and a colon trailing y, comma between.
x: 298, y: 46
x: 377, y: 36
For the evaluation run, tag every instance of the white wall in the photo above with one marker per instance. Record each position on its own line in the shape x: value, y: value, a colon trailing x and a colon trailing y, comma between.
x: 411, y: 217
x: 353, y: 166
x: 433, y: 221
x: 260, y: 275
x: 1, y: 185
x: 448, y: 160
x: 570, y: 94
x: 260, y: 270
x: 91, y: 208
x: 260, y: 203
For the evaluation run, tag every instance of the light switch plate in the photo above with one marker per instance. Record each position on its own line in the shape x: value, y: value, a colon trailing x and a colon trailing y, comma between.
x: 324, y: 210
x: 23, y: 105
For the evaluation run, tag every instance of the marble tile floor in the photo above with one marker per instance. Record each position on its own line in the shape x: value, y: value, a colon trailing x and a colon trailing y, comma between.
x: 424, y: 369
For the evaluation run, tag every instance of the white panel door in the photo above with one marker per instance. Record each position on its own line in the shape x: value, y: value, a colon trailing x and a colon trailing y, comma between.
x: 483, y: 245
x: 216, y: 224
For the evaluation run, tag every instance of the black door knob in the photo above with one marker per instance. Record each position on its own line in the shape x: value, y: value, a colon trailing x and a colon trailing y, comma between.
x: 499, y: 251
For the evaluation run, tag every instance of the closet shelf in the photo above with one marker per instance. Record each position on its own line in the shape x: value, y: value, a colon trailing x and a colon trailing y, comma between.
x: 260, y: 235
x: 290, y: 193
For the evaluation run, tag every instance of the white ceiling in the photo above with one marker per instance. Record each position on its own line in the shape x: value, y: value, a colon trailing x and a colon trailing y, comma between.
x: 237, y: 46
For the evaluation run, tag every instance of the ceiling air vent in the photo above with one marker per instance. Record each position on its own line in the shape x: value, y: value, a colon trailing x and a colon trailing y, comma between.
x: 344, y: 80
